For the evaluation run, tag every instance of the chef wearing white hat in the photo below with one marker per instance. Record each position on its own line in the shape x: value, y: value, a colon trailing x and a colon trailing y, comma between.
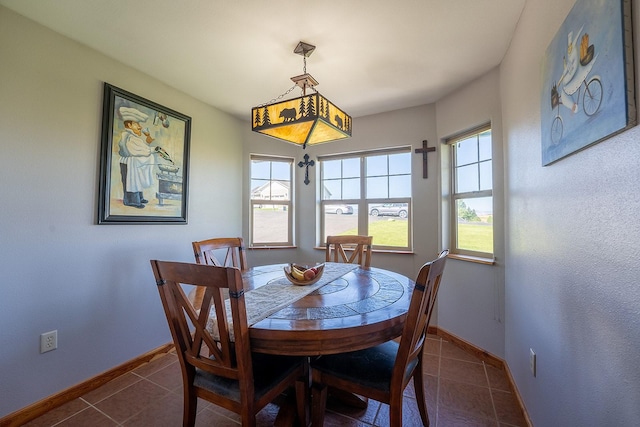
x: 136, y: 158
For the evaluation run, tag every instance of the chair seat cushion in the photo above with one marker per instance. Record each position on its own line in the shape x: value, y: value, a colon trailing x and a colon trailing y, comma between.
x: 371, y: 367
x: 267, y: 371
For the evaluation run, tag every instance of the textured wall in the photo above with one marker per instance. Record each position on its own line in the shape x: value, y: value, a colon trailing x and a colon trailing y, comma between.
x: 573, y: 245
x: 471, y: 300
x: 59, y: 270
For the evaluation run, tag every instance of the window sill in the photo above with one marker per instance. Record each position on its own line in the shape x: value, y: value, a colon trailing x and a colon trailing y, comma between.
x: 250, y: 248
x: 383, y: 251
x: 476, y: 259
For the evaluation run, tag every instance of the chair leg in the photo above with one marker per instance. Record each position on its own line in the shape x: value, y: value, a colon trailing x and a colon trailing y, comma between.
x: 395, y: 413
x: 318, y: 404
x: 418, y: 385
x: 190, y: 408
x: 247, y: 419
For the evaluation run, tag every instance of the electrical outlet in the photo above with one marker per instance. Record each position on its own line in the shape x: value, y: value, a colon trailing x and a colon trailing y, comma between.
x: 532, y: 361
x: 48, y: 341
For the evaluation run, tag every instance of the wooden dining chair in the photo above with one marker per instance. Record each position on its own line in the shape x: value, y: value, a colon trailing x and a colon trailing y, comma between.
x: 230, y: 375
x: 383, y: 372
x: 349, y: 249
x: 220, y: 251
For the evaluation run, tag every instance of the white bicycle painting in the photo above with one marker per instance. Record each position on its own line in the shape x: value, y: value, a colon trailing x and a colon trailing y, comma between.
x: 569, y: 92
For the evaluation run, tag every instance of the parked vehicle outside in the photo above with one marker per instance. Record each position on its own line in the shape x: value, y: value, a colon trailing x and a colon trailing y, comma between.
x: 338, y: 209
x: 390, y: 209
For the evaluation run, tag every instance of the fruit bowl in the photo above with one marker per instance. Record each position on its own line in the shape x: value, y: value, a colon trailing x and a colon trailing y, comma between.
x: 295, y: 274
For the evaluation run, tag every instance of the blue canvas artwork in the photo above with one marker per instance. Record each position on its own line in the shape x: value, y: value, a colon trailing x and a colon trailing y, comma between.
x: 587, y: 83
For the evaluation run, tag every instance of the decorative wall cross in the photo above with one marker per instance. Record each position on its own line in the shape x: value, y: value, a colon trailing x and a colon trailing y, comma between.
x: 425, y: 150
x: 306, y: 163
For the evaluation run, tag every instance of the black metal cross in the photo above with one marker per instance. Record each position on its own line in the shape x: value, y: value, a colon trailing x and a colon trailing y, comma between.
x: 425, y: 150
x: 306, y: 163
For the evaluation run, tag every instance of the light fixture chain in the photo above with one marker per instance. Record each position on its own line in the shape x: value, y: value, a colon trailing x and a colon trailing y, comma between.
x: 279, y: 97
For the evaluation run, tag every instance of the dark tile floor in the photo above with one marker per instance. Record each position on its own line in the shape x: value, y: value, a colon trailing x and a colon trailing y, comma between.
x: 461, y: 390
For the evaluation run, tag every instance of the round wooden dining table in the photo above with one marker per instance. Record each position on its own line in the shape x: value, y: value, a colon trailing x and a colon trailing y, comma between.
x: 362, y: 308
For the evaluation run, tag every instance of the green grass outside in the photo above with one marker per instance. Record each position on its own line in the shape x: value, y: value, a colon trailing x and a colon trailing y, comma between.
x: 475, y: 237
x: 386, y: 233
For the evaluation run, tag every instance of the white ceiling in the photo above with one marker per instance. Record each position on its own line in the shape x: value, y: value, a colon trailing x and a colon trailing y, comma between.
x: 372, y: 56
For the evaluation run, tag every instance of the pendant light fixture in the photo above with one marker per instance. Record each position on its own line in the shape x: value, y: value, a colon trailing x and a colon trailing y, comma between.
x: 307, y: 120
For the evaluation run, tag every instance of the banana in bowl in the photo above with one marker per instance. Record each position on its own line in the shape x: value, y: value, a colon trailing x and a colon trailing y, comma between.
x: 302, y: 275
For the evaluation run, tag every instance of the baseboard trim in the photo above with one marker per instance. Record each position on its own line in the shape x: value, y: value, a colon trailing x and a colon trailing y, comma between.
x: 489, y: 359
x: 43, y: 406
x: 39, y: 408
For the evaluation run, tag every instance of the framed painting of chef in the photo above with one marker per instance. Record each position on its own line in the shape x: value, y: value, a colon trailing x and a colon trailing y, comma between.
x: 588, y: 89
x: 144, y: 161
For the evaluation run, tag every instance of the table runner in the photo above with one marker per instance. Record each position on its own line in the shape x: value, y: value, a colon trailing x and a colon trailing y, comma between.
x: 277, y: 294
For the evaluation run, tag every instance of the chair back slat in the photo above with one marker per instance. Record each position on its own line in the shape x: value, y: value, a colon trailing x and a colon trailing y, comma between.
x: 230, y: 250
x: 419, y: 314
x: 349, y: 249
x: 195, y: 344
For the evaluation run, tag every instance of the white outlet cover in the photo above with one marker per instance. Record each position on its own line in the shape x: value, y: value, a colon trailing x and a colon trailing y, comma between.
x: 48, y: 341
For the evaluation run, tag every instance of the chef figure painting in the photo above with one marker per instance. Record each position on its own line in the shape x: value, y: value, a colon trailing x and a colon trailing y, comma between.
x: 136, y: 158
x: 145, y: 149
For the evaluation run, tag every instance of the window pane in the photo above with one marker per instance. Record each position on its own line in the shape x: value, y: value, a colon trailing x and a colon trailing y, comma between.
x: 484, y: 141
x: 351, y: 188
x: 269, y: 190
x: 260, y: 189
x: 281, y: 171
x: 260, y: 169
x: 467, y: 178
x: 331, y: 169
x: 382, y: 176
x: 340, y: 219
x: 332, y: 189
x: 467, y: 151
x: 475, y: 224
x: 486, y: 178
x: 377, y: 165
x: 280, y: 190
x: 400, y: 186
x: 400, y: 163
x: 351, y: 168
x: 270, y: 182
x: 378, y: 188
x: 270, y: 223
x: 389, y: 224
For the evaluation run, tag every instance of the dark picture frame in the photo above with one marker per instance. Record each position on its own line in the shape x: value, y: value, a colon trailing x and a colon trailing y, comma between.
x: 144, y: 161
x: 588, y: 86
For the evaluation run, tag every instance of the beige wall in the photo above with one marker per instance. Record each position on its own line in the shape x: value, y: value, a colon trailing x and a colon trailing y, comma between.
x: 572, y: 251
x: 59, y: 269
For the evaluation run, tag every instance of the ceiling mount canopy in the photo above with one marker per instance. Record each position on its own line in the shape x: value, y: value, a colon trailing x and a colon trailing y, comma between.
x: 307, y: 120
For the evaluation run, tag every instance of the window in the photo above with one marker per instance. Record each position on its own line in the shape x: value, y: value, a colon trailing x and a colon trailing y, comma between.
x: 472, y: 195
x: 271, y: 201
x: 368, y: 194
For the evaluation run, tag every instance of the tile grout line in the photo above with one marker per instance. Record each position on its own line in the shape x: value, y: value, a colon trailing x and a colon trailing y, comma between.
x: 493, y: 403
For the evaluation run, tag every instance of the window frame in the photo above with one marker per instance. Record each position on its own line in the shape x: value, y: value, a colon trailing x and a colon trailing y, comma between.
x: 363, y: 202
x: 287, y: 204
x: 455, y: 195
